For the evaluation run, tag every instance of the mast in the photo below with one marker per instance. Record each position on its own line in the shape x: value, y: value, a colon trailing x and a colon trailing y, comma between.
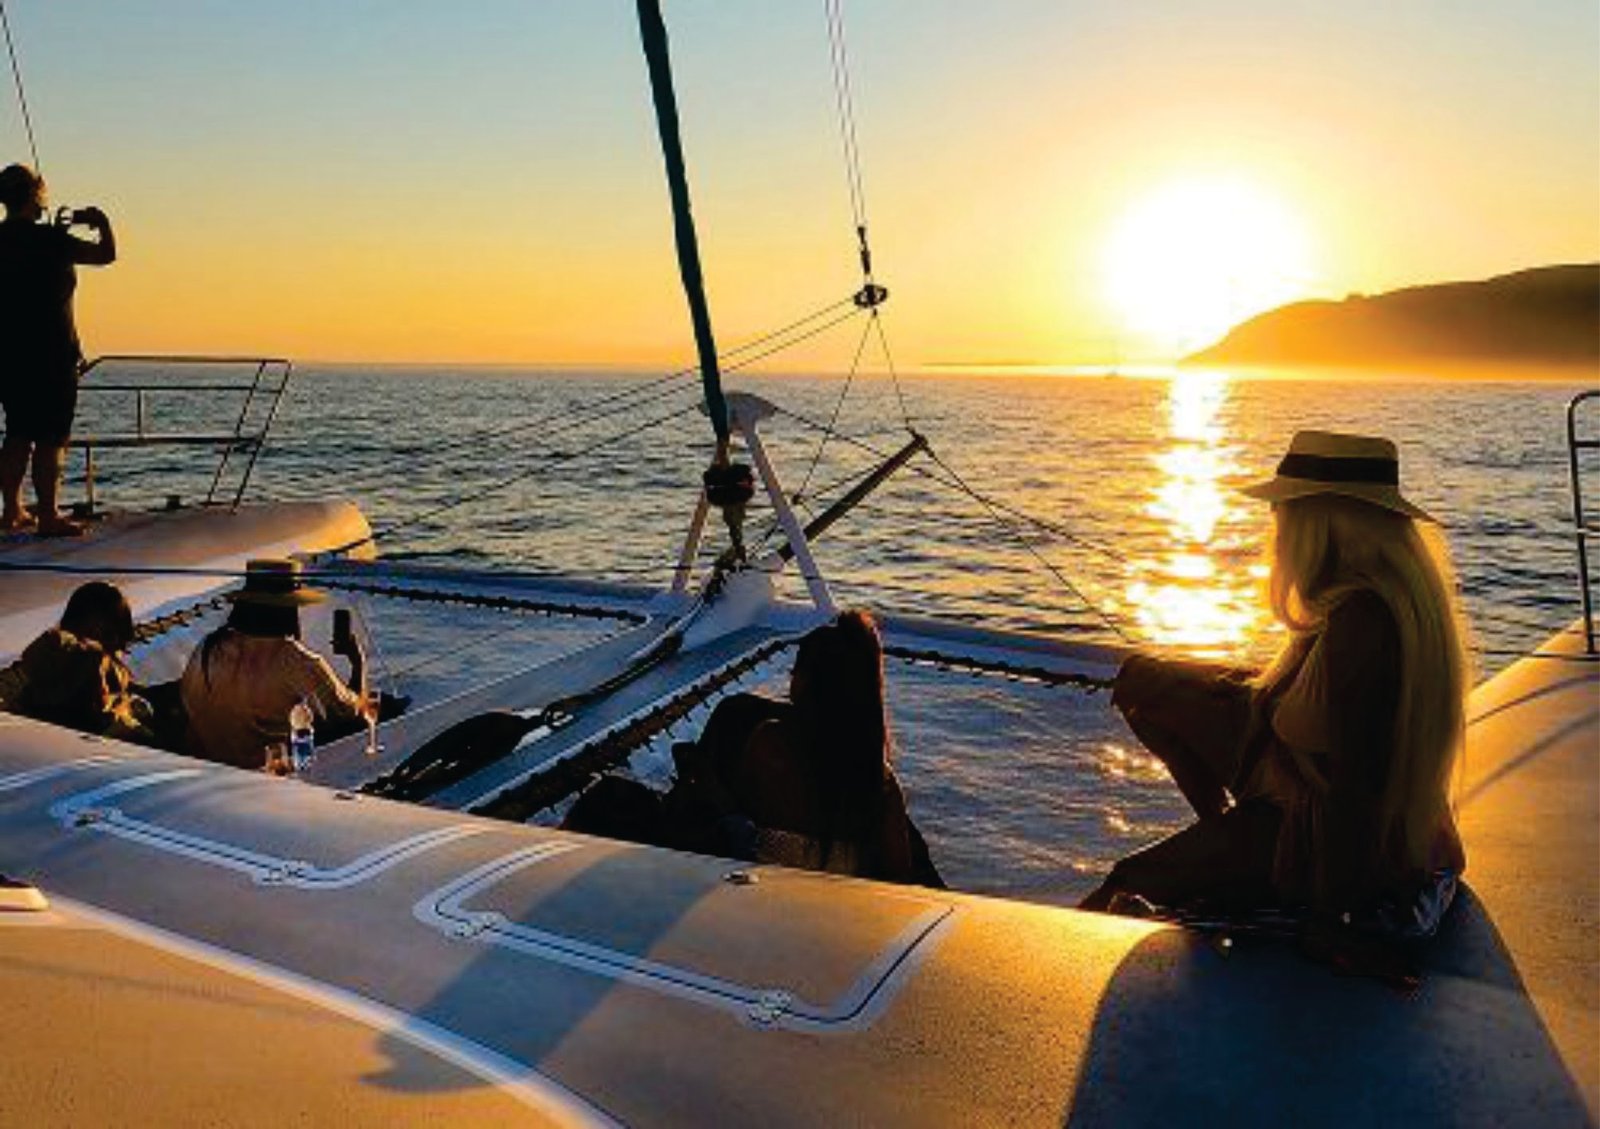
x: 653, y: 34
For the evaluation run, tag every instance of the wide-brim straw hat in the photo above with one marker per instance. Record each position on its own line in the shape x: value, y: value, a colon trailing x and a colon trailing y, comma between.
x: 275, y: 583
x: 1365, y: 467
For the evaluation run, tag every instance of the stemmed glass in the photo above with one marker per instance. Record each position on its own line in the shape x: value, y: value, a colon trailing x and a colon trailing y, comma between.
x: 371, y: 700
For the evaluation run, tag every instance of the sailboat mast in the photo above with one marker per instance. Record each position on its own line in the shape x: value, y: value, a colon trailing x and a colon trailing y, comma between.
x: 653, y: 34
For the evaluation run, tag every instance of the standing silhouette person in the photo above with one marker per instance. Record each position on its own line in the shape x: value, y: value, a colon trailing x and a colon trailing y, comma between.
x: 39, y: 352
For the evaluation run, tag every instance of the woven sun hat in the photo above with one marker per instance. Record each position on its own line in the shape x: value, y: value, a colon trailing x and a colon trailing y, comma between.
x: 276, y: 583
x: 1365, y: 467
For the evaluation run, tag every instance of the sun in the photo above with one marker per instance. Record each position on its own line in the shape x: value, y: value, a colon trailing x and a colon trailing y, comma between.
x: 1190, y: 259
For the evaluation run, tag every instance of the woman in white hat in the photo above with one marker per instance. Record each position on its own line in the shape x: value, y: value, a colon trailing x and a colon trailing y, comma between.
x: 1322, y: 782
x: 243, y: 680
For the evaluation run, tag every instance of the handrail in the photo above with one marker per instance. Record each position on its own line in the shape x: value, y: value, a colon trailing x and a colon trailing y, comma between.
x: 269, y: 379
x: 1581, y: 528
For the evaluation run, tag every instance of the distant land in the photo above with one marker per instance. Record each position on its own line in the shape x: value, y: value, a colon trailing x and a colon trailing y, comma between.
x: 1547, y: 316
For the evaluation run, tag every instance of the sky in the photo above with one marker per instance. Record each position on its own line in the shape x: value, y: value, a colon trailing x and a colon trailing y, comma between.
x: 1046, y: 181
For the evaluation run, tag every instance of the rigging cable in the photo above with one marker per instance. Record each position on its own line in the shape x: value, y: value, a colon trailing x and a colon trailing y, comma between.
x: 22, y: 95
x: 1022, y: 540
x: 871, y: 296
x: 615, y: 403
x: 833, y: 420
x: 847, y: 129
x: 798, y: 496
x: 554, y: 459
x: 1042, y: 524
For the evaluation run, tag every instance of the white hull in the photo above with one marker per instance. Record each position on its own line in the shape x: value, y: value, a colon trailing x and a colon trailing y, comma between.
x: 495, y: 967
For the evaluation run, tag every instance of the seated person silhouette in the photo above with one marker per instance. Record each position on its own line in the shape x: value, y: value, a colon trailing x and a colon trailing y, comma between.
x: 76, y: 674
x: 805, y: 783
x: 245, y: 677
x: 1321, y: 785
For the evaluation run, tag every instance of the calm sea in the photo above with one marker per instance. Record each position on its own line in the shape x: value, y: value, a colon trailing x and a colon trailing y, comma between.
x: 1133, y: 479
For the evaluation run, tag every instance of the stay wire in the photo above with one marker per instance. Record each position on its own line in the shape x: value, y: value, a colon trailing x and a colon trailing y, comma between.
x: 560, y: 458
x: 1022, y: 540
x: 846, y: 110
x: 558, y: 422
x: 555, y: 459
x: 894, y: 373
x: 616, y: 403
x: 822, y: 439
x: 1053, y: 528
x: 838, y: 406
x: 793, y: 341
x: 677, y: 375
x: 22, y: 95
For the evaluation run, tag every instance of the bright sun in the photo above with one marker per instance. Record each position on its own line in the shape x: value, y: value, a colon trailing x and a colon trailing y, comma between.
x: 1190, y: 259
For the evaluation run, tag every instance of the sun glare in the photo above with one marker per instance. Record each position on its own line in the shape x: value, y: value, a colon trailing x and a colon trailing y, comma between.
x: 1190, y: 259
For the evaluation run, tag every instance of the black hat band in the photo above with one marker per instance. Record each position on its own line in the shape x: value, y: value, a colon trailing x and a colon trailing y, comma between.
x: 1322, y: 468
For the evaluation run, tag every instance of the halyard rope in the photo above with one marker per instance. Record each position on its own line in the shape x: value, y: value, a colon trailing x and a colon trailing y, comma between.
x: 22, y: 95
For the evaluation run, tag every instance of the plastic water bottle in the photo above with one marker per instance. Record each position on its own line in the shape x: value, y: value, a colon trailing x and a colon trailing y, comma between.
x: 302, y: 738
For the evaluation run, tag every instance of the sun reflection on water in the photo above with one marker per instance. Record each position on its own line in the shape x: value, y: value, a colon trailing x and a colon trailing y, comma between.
x: 1197, y: 591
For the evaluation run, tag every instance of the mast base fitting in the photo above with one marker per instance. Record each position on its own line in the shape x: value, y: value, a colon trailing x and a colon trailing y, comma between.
x: 871, y: 296
x: 729, y: 484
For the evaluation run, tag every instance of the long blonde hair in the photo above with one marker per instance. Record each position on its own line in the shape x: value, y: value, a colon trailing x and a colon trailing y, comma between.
x: 1328, y: 547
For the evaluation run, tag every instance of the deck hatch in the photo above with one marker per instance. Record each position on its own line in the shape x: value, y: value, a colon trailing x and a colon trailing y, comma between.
x: 242, y: 829
x: 792, y: 950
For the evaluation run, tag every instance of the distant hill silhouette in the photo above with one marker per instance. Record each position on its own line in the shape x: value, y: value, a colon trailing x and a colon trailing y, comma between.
x: 1545, y: 316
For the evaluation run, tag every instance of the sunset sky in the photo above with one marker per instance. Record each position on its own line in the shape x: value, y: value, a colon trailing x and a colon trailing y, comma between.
x: 1048, y: 182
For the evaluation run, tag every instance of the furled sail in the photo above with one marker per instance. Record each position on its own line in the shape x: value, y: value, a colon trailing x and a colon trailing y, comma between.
x: 653, y: 34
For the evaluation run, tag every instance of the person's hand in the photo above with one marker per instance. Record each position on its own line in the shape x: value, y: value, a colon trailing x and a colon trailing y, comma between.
x: 90, y: 215
x: 348, y: 647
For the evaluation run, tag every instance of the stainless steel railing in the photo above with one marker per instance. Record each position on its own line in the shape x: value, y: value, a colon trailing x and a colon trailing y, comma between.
x: 259, y: 389
x: 1582, y: 527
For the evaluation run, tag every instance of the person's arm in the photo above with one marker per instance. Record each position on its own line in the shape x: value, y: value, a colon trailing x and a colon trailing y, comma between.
x: 1350, y: 727
x: 318, y: 682
x: 100, y: 251
x: 350, y: 647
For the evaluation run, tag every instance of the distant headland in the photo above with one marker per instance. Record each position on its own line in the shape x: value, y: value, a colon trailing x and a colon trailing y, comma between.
x: 1548, y: 316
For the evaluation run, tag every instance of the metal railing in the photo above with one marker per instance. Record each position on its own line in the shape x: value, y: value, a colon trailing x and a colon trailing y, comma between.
x: 1582, y: 528
x: 260, y: 394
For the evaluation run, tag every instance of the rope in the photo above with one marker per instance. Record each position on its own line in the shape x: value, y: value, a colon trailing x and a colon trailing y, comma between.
x: 22, y: 95
x: 998, y: 511
x: 624, y: 400
x: 617, y: 398
x: 520, y: 623
x: 1042, y: 524
x: 787, y: 343
x: 793, y: 341
x: 558, y: 422
x: 555, y: 459
x: 894, y: 373
x: 838, y: 406
x: 1007, y: 523
x: 847, y: 117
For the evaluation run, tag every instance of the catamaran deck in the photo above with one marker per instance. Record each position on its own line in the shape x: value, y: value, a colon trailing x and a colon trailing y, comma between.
x: 160, y: 559
x: 492, y: 963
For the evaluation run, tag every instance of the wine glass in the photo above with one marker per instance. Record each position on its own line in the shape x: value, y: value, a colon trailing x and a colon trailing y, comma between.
x: 371, y: 701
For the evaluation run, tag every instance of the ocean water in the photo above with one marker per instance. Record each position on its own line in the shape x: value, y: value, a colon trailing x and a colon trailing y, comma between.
x: 1140, y: 535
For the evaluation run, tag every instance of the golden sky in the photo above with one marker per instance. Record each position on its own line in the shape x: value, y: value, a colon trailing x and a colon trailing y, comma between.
x: 1047, y: 182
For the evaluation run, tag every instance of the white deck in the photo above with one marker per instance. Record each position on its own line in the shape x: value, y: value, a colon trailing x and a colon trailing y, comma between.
x: 584, y: 979
x: 132, y: 549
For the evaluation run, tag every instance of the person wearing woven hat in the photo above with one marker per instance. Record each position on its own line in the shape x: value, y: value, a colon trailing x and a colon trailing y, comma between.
x: 1321, y: 782
x: 242, y: 681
